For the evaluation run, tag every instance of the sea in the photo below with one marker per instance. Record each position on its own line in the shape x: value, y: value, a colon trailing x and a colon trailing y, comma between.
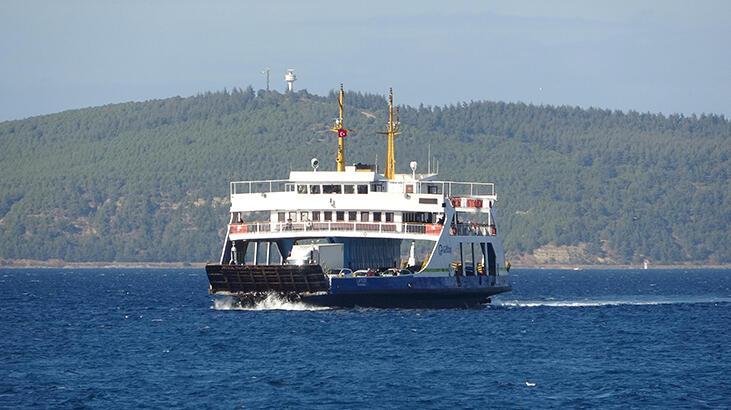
x: 146, y: 338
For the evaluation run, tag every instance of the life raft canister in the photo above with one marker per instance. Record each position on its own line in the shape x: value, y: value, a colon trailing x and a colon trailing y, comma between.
x: 474, y: 203
x: 239, y: 228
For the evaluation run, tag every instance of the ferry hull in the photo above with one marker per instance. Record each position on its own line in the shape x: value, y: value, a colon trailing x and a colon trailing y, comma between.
x: 251, y: 283
x: 438, y: 299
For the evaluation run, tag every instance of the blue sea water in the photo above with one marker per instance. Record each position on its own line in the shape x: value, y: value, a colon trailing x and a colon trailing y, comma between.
x: 114, y: 338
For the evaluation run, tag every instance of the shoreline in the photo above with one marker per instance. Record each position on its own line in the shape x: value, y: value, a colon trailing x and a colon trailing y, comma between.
x: 618, y: 267
x: 59, y: 264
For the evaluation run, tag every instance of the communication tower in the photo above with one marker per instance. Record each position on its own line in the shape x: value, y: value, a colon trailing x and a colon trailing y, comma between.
x: 266, y: 72
x: 290, y: 78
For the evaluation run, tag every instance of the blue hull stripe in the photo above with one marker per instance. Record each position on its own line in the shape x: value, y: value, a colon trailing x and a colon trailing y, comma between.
x: 369, y: 284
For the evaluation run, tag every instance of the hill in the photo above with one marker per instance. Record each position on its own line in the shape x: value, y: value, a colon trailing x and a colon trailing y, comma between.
x: 148, y: 181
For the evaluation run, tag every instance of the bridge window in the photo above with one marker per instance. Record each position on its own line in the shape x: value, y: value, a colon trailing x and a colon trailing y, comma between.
x: 364, y: 217
x: 352, y: 215
x: 340, y: 215
x: 418, y: 217
x: 376, y: 187
x: 362, y: 189
x: 432, y: 189
x: 301, y: 189
x: 314, y: 189
x: 331, y: 189
x: 328, y: 215
x: 389, y: 216
x: 376, y: 217
x: 315, y: 215
x: 349, y: 189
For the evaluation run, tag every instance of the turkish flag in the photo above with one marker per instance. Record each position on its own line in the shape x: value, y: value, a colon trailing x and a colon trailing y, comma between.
x: 342, y: 133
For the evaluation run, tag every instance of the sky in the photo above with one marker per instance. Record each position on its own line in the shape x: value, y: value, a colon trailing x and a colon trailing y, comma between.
x: 666, y: 56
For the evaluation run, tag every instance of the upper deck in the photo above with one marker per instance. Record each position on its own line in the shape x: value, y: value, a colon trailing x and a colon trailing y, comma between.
x: 357, y: 204
x: 356, y: 190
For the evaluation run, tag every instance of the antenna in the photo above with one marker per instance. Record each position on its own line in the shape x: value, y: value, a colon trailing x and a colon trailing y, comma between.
x: 290, y: 78
x: 266, y: 72
x: 428, y: 157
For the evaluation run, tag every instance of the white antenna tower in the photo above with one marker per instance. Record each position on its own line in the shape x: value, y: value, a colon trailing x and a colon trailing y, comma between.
x: 290, y: 78
x: 266, y: 72
x: 428, y: 159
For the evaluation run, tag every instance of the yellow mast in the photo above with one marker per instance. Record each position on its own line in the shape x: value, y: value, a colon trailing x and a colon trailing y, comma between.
x: 339, y: 128
x: 391, y: 132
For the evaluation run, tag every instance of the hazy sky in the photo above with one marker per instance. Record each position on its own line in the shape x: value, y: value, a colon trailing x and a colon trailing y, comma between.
x: 654, y: 55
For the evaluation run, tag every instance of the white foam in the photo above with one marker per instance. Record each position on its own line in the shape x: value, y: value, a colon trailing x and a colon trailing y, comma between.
x: 271, y: 302
x: 629, y: 301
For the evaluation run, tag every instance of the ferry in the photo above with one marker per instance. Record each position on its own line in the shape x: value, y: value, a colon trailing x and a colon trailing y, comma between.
x: 356, y: 237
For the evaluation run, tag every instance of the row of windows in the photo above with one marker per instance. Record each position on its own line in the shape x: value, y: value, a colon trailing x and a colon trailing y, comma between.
x: 317, y: 216
x: 337, y: 189
x: 360, y: 188
x: 422, y: 217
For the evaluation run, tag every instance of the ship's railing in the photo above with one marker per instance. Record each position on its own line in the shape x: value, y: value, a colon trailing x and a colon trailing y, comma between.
x: 463, y: 229
x: 448, y: 188
x: 456, y: 188
x: 386, y: 227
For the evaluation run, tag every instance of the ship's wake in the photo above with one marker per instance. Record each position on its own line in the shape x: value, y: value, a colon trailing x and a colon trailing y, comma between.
x: 268, y: 301
x: 619, y: 301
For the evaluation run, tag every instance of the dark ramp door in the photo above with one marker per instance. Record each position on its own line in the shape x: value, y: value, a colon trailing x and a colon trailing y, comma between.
x: 491, y: 260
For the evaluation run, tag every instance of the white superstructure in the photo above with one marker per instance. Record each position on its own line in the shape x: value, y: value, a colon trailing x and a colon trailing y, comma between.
x: 359, y: 204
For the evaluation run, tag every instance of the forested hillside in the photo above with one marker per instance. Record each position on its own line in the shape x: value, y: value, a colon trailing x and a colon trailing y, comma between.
x: 149, y: 181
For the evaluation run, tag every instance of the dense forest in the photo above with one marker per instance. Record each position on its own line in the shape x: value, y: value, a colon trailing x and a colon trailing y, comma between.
x: 148, y: 181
